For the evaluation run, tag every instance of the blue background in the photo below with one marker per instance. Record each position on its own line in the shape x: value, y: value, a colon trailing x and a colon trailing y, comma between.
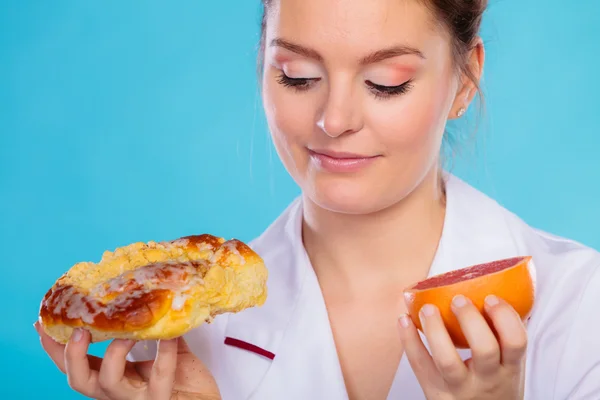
x: 123, y: 121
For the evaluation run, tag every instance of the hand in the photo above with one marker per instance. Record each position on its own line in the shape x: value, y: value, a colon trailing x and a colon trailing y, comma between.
x: 176, y: 373
x: 496, y: 368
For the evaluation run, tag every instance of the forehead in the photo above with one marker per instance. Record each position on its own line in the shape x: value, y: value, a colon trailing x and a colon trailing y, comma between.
x: 353, y: 26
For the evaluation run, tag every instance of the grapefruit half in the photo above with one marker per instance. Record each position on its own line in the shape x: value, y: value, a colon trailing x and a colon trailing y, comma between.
x: 511, y: 279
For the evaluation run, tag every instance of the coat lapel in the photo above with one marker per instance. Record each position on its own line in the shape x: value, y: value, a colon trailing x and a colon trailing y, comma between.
x: 290, y: 330
x: 308, y: 350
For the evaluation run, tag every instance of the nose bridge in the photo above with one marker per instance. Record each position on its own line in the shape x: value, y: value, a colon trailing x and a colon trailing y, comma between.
x: 341, y: 111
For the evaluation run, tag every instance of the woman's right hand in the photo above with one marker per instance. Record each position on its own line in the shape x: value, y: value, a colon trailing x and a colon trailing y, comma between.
x: 176, y: 373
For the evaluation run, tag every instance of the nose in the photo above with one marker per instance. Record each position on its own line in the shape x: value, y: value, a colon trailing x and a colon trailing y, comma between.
x: 341, y: 113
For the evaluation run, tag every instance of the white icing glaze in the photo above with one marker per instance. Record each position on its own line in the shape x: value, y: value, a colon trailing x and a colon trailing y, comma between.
x: 204, y: 246
x: 178, y: 277
x: 232, y: 247
x: 179, y: 301
x: 176, y: 243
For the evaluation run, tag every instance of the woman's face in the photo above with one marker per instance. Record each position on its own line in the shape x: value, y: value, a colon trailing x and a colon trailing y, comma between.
x: 357, y: 94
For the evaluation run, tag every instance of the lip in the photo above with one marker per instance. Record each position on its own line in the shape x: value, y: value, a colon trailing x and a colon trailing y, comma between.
x: 335, y: 161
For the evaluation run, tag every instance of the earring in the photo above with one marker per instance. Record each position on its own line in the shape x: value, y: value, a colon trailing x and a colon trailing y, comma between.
x: 460, y: 112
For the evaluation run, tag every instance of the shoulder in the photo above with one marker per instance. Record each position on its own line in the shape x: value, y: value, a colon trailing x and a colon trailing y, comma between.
x: 480, y: 221
x: 564, y: 348
x: 563, y: 329
x: 565, y: 269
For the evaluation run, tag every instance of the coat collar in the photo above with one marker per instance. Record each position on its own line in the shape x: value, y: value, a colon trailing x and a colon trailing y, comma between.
x: 476, y: 229
x: 293, y: 322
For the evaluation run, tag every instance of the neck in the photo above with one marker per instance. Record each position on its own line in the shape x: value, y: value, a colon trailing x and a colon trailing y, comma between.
x: 392, y: 246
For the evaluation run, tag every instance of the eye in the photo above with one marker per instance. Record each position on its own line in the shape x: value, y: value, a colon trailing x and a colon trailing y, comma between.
x: 296, y: 83
x: 384, y: 92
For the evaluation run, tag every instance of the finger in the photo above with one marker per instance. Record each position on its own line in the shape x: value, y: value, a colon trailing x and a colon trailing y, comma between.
x: 182, y: 346
x: 418, y: 357
x: 445, y: 356
x: 80, y: 376
x: 162, y: 376
x: 511, y: 331
x: 112, y: 373
x: 484, y: 346
x: 184, y: 355
x: 55, y: 350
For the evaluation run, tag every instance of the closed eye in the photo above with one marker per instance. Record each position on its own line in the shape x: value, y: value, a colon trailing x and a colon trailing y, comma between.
x: 381, y: 91
x: 296, y: 83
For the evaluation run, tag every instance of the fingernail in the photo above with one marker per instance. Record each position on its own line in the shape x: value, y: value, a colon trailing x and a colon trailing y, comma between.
x: 459, y: 301
x: 405, y: 321
x: 77, y: 335
x: 36, y: 327
x: 427, y: 310
x: 492, y: 300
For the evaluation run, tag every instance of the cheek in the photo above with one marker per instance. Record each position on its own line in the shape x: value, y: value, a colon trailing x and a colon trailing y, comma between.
x: 291, y: 123
x: 415, y: 124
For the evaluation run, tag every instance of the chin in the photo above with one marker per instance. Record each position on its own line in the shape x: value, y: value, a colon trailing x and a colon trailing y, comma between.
x: 346, y: 195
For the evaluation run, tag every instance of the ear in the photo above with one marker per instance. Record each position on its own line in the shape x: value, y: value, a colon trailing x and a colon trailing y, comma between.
x: 468, y: 84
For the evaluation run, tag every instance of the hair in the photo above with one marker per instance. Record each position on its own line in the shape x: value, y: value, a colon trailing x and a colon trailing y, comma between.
x: 462, y: 20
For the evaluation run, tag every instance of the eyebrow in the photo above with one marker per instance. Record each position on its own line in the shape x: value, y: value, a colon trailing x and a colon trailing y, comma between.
x: 395, y: 51
x: 372, y: 58
x: 296, y: 48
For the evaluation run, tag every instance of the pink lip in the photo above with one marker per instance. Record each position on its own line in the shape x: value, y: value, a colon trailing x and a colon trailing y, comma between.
x: 333, y: 161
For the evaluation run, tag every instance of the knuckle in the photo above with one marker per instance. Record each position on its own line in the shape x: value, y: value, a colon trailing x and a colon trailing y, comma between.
x: 76, y: 384
x: 488, y: 355
x: 452, y: 370
x: 514, y: 353
x: 447, y: 366
x: 517, y: 344
x: 106, y: 383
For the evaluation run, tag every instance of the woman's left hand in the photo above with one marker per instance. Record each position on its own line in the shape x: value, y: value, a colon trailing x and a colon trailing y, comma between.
x: 496, y: 368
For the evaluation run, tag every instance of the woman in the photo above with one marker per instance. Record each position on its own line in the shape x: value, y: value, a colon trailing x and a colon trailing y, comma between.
x: 357, y: 95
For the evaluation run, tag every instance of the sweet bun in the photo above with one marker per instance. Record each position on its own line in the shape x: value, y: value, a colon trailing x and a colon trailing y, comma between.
x: 155, y: 290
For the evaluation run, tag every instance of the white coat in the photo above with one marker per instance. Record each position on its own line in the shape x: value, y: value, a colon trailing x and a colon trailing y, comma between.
x: 563, y: 357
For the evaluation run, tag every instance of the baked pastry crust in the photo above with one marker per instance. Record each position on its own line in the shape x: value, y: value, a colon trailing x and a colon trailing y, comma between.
x: 155, y: 290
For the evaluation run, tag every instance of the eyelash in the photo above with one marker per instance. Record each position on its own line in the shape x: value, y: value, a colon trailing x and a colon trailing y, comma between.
x: 379, y: 91
x: 385, y: 92
x: 299, y: 84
